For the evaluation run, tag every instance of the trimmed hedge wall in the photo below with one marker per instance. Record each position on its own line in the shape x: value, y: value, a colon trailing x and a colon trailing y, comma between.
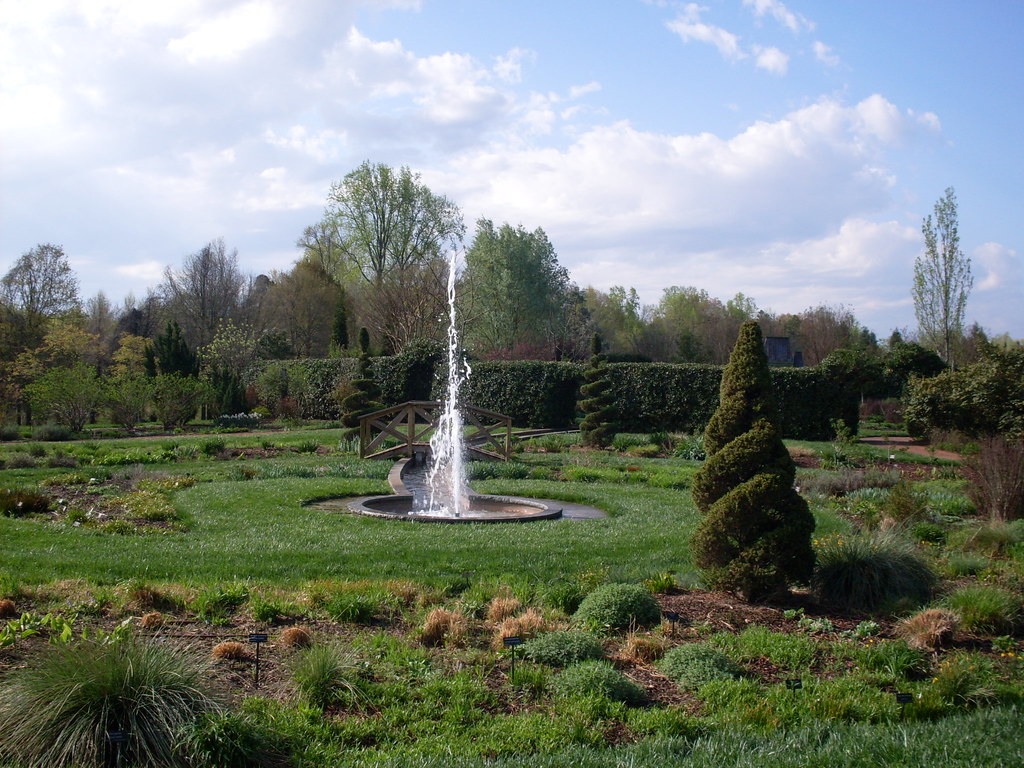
x: 648, y: 396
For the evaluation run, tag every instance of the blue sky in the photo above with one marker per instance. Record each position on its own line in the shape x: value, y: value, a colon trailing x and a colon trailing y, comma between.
x: 785, y: 150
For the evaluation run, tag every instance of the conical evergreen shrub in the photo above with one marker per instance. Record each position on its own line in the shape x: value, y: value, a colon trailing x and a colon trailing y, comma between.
x: 363, y: 399
x: 754, y: 538
x: 597, y: 429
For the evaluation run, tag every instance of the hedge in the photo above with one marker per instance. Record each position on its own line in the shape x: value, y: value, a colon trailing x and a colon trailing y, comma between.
x: 648, y: 396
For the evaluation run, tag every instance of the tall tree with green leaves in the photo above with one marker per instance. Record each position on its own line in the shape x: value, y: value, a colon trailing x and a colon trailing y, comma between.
x: 942, y: 280
x: 754, y: 537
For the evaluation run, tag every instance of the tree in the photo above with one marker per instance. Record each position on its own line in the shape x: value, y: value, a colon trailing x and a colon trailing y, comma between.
x: 128, y: 396
x: 205, y: 291
x: 170, y: 354
x: 596, y: 428
x: 40, y: 285
x: 754, y: 538
x: 362, y: 393
x: 176, y: 399
x: 517, y: 288
x: 390, y: 221
x: 942, y: 280
x: 68, y: 395
x: 300, y: 304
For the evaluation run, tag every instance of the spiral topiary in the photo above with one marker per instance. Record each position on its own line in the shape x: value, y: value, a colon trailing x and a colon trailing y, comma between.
x: 363, y: 399
x: 754, y: 538
x: 596, y: 428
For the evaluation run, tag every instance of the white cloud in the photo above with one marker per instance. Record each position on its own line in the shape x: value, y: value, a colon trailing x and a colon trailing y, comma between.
x: 229, y: 34
x: 688, y: 26
x: 824, y: 54
x: 771, y: 60
x: 510, y: 66
x: 1000, y: 267
x: 780, y: 13
x: 148, y: 271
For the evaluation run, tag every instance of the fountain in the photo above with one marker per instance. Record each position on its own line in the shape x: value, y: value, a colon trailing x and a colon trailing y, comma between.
x: 446, y: 496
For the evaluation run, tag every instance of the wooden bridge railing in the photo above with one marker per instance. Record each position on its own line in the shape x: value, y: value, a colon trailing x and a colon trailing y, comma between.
x: 410, y: 424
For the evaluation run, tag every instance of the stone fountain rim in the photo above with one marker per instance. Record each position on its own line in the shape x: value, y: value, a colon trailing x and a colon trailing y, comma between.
x: 543, y: 511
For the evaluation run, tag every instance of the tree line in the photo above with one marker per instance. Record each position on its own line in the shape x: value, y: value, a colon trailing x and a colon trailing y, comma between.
x: 377, y: 259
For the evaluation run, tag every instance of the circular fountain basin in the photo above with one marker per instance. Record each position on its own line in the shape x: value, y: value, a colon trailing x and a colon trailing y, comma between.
x: 482, y: 509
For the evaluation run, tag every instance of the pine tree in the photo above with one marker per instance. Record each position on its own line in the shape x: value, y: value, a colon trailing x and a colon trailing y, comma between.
x: 363, y: 399
x: 754, y: 538
x: 597, y: 428
x: 169, y: 353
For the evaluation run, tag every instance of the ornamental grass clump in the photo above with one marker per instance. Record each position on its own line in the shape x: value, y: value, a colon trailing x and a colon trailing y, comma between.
x: 754, y: 536
x: 618, y: 606
x: 563, y: 648
x: 870, y: 572
x: 57, y: 710
x: 985, y: 609
x: 930, y: 629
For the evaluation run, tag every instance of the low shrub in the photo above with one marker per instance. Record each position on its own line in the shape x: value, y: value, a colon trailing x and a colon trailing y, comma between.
x: 600, y: 679
x: 870, y: 571
x: 694, y: 664
x: 995, y: 478
x: 15, y: 502
x: 237, y: 421
x: 307, y: 446
x: 61, y: 461
x: 9, y: 432
x: 231, y: 650
x: 213, y: 446
x: 563, y: 648
x: 20, y: 460
x: 51, y: 433
x: 618, y: 606
x: 57, y: 710
x: 905, y: 503
x: 930, y: 629
x: 984, y: 608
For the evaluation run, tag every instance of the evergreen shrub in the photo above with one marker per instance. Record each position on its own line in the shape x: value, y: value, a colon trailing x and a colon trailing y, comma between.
x: 754, y: 536
x: 692, y: 665
x: 597, y: 678
x: 563, y: 648
x: 618, y: 606
x: 596, y: 400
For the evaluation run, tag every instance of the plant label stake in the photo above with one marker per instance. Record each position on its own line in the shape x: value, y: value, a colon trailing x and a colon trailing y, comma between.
x: 796, y: 684
x: 673, y: 617
x: 511, y: 643
x: 258, y: 638
x: 904, y: 698
x: 117, y: 738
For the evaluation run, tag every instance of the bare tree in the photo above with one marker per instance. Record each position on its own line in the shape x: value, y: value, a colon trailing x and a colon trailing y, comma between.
x: 40, y: 285
x: 206, y: 290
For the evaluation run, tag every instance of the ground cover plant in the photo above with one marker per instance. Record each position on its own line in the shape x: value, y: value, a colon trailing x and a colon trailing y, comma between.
x: 400, y: 659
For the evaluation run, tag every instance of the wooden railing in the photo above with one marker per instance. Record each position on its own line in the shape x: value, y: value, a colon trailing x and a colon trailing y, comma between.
x: 489, y: 434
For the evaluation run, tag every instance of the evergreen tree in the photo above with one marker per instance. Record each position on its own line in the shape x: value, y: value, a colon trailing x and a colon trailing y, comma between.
x: 363, y: 398
x: 755, y: 534
x: 597, y: 428
x: 339, y: 326
x: 169, y: 354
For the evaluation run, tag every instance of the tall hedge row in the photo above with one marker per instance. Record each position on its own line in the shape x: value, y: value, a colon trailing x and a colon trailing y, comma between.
x: 648, y: 396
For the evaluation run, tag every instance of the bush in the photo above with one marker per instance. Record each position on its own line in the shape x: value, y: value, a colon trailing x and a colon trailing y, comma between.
x: 995, y: 478
x: 177, y: 398
x: 213, y: 446
x: 596, y: 401
x: 563, y: 648
x: 68, y: 395
x: 985, y: 609
x: 692, y: 665
x: 57, y: 710
x: 754, y: 535
x: 597, y: 678
x: 930, y: 629
x: 18, y: 503
x: 906, y: 504
x: 296, y: 637
x: 9, y: 432
x: 237, y: 421
x: 51, y: 433
x: 870, y: 571
x: 618, y: 606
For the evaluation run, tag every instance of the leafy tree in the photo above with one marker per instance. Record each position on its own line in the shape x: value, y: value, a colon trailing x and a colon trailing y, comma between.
x: 517, y: 288
x: 984, y: 398
x: 362, y: 398
x: 754, y: 538
x: 597, y: 404
x: 128, y: 397
x: 67, y: 395
x: 40, y: 285
x: 170, y: 354
x: 299, y: 303
x: 942, y: 279
x: 389, y: 220
x: 129, y: 359
x: 177, y: 398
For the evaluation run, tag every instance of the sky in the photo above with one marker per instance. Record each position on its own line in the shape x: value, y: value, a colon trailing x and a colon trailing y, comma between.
x: 788, y: 151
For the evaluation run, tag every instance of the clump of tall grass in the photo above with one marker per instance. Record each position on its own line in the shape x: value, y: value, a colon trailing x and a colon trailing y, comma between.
x: 58, y: 710
x: 323, y: 674
x: 870, y: 571
x: 985, y: 608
